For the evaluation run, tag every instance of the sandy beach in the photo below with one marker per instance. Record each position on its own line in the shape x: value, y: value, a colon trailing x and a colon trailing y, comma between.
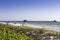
x: 45, y: 27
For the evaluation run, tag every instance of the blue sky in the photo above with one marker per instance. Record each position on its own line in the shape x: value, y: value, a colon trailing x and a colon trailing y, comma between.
x: 33, y: 10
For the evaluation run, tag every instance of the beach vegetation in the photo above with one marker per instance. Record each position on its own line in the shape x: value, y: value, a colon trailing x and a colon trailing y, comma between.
x: 12, y: 32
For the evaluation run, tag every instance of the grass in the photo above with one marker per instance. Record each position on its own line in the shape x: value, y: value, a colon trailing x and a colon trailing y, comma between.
x: 7, y: 34
x: 10, y: 32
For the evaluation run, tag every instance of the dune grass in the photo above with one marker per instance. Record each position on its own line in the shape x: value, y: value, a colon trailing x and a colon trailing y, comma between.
x: 11, y: 32
x: 7, y: 34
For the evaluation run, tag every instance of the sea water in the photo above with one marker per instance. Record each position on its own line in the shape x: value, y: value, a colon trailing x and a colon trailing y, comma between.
x: 41, y: 24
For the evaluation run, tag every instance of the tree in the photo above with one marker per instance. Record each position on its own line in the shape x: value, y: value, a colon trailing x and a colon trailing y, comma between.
x: 24, y: 21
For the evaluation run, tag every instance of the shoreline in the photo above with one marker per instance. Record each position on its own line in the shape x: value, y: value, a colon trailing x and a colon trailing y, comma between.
x: 45, y: 27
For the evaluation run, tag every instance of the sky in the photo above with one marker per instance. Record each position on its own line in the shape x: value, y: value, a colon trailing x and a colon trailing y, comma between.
x: 32, y: 10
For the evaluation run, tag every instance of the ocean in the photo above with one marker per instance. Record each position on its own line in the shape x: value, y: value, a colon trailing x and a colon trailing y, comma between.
x: 40, y: 24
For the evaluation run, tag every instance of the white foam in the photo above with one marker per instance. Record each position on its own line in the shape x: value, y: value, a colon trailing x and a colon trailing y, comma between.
x: 55, y: 28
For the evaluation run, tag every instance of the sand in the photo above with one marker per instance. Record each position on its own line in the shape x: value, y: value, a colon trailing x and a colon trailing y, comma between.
x: 45, y: 27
